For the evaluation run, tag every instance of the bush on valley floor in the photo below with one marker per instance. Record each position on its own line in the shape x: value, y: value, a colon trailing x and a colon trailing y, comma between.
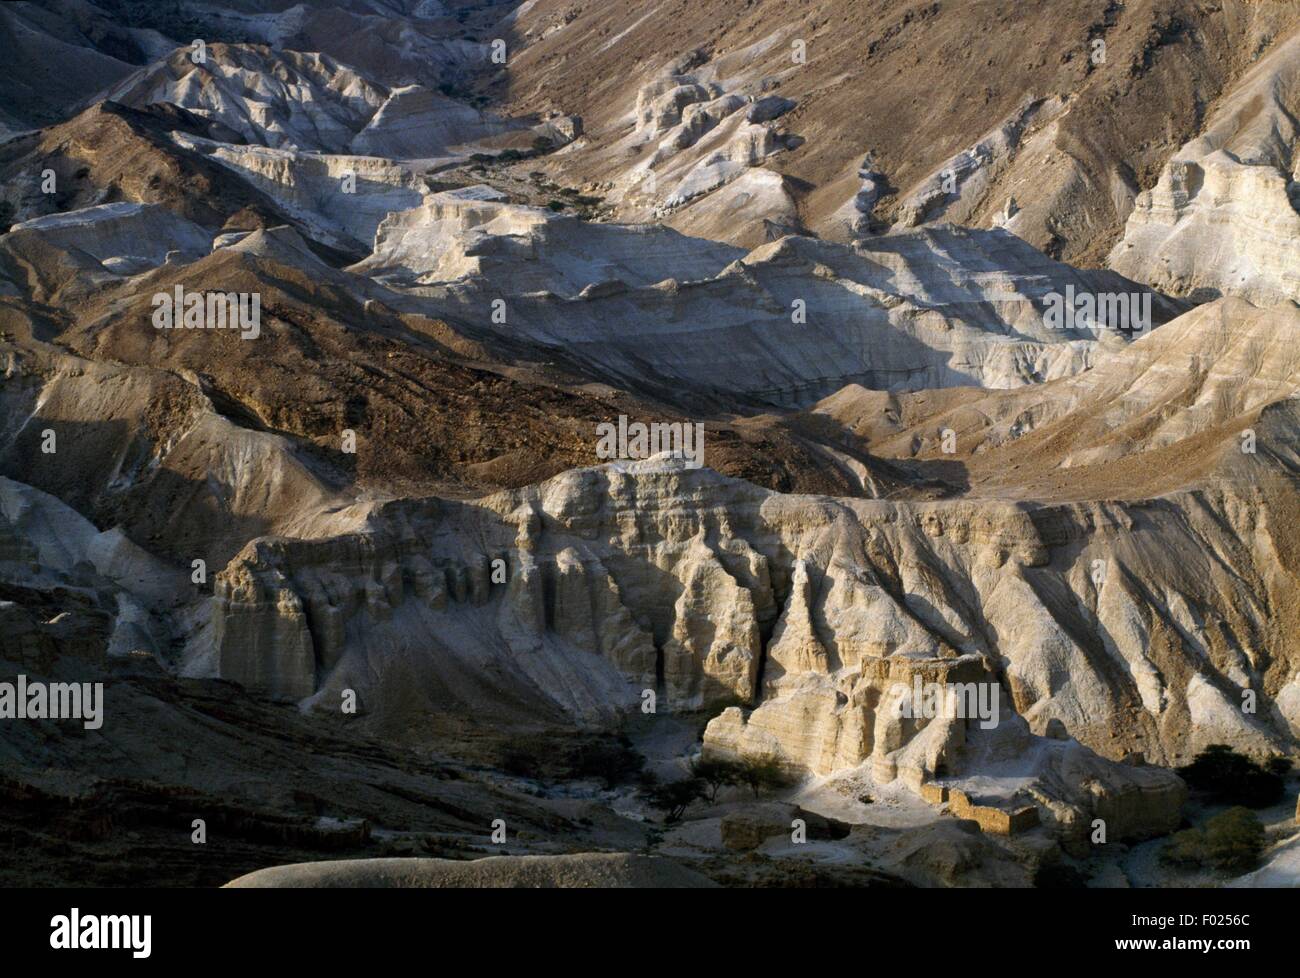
x: 1230, y: 842
x: 758, y: 774
x: 708, y: 777
x: 765, y: 773
x: 674, y: 797
x: 716, y: 774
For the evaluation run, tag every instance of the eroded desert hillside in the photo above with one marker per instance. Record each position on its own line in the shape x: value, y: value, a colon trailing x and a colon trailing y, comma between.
x: 419, y: 415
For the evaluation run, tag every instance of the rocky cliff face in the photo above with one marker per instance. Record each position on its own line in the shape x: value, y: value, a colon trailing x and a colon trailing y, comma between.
x: 1224, y: 217
x: 474, y: 233
x: 826, y: 600
x: 341, y: 199
x: 811, y: 613
x: 799, y: 317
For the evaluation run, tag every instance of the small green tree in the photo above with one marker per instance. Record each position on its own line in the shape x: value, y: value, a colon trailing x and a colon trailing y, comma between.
x: 765, y: 773
x: 674, y: 797
x: 716, y: 774
x: 1234, y: 840
x: 1230, y: 842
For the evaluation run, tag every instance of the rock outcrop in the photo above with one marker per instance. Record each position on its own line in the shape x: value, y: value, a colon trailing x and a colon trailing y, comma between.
x: 799, y: 318
x: 471, y: 233
x: 311, y: 102
x: 818, y: 615
x: 1224, y: 217
x: 340, y: 199
x: 124, y: 238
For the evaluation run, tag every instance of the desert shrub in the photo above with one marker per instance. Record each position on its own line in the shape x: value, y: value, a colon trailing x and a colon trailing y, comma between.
x: 1233, y: 779
x: 1230, y: 842
x: 1235, y: 839
x: 716, y: 774
x: 765, y: 773
x: 674, y: 797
